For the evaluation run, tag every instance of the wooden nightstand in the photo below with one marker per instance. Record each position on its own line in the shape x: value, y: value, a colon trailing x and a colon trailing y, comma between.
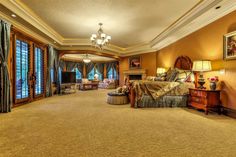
x: 204, y: 99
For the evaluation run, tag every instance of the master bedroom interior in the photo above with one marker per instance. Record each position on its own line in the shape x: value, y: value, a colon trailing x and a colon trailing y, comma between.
x: 117, y: 78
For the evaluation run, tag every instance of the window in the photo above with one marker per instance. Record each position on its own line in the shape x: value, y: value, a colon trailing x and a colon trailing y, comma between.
x: 93, y: 72
x: 78, y: 73
x: 22, y: 69
x: 112, y: 74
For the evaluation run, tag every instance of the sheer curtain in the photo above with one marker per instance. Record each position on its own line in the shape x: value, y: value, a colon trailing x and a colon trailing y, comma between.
x: 5, y: 100
x: 100, y: 69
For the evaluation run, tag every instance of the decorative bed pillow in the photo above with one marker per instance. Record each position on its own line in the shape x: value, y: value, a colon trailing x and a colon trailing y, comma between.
x: 183, y: 76
x: 171, y: 75
x: 161, y: 77
x: 119, y: 90
x: 150, y: 78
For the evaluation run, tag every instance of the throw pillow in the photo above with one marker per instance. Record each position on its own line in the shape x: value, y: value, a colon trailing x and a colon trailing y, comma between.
x: 171, y: 76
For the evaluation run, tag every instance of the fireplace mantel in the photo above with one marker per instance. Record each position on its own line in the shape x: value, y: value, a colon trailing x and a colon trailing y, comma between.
x: 142, y: 72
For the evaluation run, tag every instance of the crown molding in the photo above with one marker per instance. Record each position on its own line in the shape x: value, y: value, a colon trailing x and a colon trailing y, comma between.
x: 27, y: 30
x: 29, y: 16
x: 194, y: 21
x: 199, y: 16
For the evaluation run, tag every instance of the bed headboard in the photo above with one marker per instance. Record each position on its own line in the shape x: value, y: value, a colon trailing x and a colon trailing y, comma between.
x: 183, y: 62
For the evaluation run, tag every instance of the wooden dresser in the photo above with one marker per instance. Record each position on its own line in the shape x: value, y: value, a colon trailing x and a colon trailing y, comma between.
x: 205, y: 99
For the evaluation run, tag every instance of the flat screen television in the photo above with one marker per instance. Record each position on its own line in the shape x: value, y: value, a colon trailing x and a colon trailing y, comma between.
x: 68, y: 77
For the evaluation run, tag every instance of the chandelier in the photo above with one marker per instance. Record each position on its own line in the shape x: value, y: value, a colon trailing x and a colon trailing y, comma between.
x: 100, y: 39
x: 86, y: 59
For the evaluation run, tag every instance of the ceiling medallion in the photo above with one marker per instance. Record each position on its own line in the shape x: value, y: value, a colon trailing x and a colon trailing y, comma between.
x: 100, y: 39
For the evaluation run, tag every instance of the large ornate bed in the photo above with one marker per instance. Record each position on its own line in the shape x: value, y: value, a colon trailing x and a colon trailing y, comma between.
x: 145, y: 93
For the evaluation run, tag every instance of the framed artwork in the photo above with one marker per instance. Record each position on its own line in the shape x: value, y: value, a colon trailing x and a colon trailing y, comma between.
x: 230, y: 46
x: 135, y: 62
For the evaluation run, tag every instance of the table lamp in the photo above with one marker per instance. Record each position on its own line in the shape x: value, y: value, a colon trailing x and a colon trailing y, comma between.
x: 96, y: 77
x: 201, y: 66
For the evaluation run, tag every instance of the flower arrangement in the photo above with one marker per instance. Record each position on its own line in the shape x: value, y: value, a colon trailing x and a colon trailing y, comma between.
x: 213, y: 79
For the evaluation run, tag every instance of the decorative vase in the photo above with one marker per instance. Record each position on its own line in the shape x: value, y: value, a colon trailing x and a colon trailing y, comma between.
x: 212, y: 85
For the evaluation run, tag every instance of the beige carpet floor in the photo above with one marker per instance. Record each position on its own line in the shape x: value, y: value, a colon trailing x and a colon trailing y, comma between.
x: 84, y: 125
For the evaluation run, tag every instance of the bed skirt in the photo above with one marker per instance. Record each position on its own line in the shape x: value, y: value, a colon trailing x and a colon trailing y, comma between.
x: 165, y: 101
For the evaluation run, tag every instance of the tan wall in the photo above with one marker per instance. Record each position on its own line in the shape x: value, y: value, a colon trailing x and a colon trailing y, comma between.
x: 148, y: 62
x: 207, y: 43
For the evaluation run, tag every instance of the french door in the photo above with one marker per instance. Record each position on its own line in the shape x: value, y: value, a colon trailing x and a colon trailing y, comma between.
x: 29, y: 71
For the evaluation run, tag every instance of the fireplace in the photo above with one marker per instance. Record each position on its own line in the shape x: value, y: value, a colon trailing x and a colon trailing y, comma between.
x: 135, y: 74
x: 135, y: 77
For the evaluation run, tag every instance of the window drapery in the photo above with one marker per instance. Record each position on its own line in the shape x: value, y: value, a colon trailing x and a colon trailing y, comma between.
x: 51, y: 58
x: 89, y: 68
x: 80, y: 67
x: 70, y: 65
x: 5, y: 100
x: 111, y: 67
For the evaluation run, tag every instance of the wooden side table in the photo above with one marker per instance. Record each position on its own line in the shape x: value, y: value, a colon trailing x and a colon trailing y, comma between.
x: 205, y: 99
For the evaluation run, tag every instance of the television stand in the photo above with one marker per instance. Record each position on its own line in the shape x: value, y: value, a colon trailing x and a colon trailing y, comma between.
x: 68, y: 88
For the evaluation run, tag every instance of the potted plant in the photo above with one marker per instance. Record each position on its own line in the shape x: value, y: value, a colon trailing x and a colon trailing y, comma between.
x: 213, y: 81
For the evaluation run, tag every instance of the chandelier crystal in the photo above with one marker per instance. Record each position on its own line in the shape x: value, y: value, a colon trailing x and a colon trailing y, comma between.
x: 86, y: 59
x: 100, y: 39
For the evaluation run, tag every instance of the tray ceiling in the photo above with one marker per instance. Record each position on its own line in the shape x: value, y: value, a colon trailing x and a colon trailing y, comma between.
x: 136, y: 26
x: 129, y: 22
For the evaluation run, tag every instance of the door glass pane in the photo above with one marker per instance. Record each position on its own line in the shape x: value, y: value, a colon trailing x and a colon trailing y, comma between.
x: 22, y: 69
x: 38, y: 62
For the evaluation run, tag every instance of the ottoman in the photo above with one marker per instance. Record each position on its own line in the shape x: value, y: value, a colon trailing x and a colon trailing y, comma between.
x: 115, y: 98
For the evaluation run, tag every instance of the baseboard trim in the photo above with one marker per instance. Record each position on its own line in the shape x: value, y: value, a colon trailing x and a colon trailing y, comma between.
x: 229, y: 112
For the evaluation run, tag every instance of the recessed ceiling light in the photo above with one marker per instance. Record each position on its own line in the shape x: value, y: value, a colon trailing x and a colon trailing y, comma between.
x: 13, y: 15
x: 218, y: 7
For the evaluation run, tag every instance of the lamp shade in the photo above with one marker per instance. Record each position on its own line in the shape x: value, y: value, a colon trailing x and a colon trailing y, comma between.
x: 202, y: 65
x: 161, y: 70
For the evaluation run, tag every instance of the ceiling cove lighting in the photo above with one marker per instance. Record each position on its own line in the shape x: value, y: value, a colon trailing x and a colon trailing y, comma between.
x: 100, y: 39
x: 86, y: 59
